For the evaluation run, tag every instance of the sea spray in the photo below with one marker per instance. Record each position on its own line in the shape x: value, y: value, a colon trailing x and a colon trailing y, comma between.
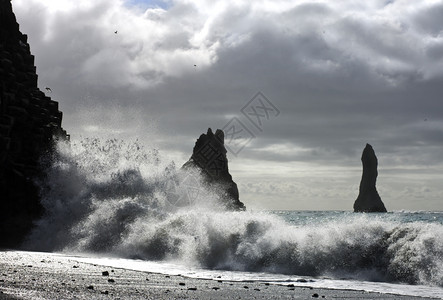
x: 95, y: 190
x: 117, y: 198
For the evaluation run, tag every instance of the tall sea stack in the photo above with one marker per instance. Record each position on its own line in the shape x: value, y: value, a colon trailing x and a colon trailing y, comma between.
x: 29, y: 124
x: 368, y: 199
x: 209, y: 155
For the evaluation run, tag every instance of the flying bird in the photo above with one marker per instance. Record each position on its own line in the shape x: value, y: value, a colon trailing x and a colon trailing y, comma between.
x: 48, y: 89
x: 116, y: 32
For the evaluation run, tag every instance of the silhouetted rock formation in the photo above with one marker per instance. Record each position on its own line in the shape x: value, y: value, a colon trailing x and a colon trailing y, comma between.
x: 28, y: 122
x: 368, y: 199
x: 209, y: 155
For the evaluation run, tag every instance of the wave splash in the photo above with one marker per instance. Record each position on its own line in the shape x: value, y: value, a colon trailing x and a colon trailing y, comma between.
x: 117, y: 198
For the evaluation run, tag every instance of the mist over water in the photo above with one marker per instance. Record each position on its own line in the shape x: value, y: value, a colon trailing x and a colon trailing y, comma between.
x: 118, y: 198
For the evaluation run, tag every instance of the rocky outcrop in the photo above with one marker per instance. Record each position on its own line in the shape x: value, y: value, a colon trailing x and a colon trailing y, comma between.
x: 29, y: 121
x: 209, y: 155
x: 368, y: 199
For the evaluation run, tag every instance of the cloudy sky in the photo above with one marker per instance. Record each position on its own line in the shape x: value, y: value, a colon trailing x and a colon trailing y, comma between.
x: 333, y: 76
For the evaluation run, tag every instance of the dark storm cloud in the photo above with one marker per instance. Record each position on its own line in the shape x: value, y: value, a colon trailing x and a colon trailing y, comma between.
x: 429, y: 20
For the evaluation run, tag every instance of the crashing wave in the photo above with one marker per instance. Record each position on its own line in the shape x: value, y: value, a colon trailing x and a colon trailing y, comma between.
x: 117, y: 198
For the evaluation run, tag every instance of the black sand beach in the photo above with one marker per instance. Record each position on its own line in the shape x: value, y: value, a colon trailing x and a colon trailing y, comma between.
x: 35, y: 275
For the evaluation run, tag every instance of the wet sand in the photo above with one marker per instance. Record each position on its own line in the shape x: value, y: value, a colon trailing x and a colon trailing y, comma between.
x: 36, y: 275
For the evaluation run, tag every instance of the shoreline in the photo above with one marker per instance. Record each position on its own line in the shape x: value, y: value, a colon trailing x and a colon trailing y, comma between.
x: 39, y: 275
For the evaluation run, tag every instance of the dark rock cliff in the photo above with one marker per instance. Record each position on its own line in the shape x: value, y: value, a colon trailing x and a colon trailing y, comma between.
x: 209, y: 155
x: 29, y: 124
x: 368, y: 199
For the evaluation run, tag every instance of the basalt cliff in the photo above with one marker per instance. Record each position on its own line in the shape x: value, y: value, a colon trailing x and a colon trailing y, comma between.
x: 30, y: 122
x: 368, y: 199
x: 209, y: 156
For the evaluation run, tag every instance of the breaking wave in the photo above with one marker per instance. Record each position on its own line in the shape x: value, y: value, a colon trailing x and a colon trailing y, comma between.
x: 117, y: 198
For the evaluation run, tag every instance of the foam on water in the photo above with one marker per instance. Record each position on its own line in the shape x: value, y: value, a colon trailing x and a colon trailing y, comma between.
x: 116, y: 198
x: 168, y: 268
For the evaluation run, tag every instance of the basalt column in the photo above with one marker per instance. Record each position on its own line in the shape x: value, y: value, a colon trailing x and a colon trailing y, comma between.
x: 209, y: 156
x: 29, y: 124
x: 368, y: 199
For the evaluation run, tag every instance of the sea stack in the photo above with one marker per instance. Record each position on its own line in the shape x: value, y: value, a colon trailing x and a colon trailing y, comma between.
x: 29, y: 123
x: 368, y: 199
x: 209, y: 156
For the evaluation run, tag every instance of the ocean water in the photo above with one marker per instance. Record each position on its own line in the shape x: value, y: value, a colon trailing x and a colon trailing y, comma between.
x: 119, y: 204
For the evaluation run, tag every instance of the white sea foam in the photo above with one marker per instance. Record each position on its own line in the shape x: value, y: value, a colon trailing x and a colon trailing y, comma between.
x: 169, y: 268
x: 115, y: 198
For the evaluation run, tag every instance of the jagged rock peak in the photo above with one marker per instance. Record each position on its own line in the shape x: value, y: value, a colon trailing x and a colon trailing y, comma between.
x: 368, y: 199
x: 30, y: 123
x: 209, y: 155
